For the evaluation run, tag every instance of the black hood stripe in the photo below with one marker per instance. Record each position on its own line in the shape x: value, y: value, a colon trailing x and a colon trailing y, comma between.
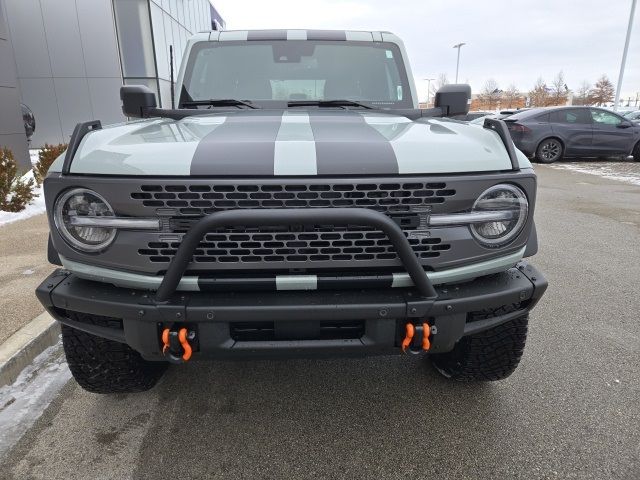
x: 243, y: 145
x: 348, y: 145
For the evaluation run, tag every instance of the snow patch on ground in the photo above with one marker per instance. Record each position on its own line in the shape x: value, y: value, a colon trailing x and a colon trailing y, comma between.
x: 23, y: 402
x: 36, y: 207
x: 612, y: 171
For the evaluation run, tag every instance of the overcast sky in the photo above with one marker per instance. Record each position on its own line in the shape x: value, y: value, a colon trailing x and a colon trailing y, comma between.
x: 510, y: 41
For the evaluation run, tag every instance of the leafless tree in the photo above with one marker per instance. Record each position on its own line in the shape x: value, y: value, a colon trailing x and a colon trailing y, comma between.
x: 539, y: 95
x: 490, y: 94
x: 440, y: 82
x: 511, y: 97
x: 582, y: 95
x: 559, y: 90
x: 603, y: 91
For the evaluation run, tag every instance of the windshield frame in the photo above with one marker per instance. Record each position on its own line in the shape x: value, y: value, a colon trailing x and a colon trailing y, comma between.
x: 398, y: 55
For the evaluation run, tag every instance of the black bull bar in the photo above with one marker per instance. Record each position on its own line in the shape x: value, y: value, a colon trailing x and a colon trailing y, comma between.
x: 295, y: 216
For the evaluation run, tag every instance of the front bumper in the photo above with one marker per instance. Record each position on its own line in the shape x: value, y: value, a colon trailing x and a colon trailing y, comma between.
x: 300, y: 323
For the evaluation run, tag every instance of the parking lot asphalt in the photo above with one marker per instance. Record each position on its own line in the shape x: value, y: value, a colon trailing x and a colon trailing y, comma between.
x: 571, y: 410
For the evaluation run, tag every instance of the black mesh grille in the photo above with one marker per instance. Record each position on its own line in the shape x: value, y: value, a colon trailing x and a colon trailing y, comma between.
x: 314, y: 244
x: 252, y: 247
x: 204, y: 199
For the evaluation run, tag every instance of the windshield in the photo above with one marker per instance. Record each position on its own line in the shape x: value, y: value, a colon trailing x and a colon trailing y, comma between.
x: 365, y: 72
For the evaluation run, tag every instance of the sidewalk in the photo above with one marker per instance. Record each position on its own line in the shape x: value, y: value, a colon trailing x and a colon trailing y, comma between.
x: 23, y: 252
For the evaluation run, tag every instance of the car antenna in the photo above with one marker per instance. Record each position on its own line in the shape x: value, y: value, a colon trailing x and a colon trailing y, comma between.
x: 173, y: 100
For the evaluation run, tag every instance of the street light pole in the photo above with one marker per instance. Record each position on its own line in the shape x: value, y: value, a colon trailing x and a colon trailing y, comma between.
x: 428, y: 90
x: 459, y: 46
x: 624, y: 53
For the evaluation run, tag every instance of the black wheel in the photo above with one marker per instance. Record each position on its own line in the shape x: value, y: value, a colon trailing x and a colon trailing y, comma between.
x: 486, y: 356
x: 104, y: 366
x: 549, y: 151
x: 636, y: 152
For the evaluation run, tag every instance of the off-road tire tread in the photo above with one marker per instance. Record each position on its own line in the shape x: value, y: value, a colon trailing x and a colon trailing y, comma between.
x: 103, y: 366
x: 486, y: 356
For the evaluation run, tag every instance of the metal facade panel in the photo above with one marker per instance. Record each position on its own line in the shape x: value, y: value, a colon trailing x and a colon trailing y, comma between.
x: 99, y: 41
x: 39, y: 94
x: 73, y: 103
x: 8, y: 68
x: 104, y: 95
x: 63, y: 38
x: 17, y: 143
x: 10, y: 116
x: 4, y: 31
x: 29, y: 41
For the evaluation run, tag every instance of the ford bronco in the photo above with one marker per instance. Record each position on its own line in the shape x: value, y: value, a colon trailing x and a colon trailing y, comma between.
x: 294, y: 202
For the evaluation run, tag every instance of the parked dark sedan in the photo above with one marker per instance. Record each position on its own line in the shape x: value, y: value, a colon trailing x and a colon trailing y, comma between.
x: 549, y: 134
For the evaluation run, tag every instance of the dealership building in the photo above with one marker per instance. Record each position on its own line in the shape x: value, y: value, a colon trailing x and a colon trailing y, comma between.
x: 67, y: 59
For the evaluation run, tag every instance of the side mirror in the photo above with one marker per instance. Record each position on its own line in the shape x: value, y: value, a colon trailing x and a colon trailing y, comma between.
x: 454, y: 99
x: 137, y: 100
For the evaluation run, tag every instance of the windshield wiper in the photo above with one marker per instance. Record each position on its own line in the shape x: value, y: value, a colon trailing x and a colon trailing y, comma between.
x: 327, y: 103
x: 219, y: 102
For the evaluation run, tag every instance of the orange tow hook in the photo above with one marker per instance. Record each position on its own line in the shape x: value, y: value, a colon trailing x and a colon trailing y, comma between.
x: 426, y: 333
x: 411, y: 330
x: 173, y: 341
x: 182, y: 336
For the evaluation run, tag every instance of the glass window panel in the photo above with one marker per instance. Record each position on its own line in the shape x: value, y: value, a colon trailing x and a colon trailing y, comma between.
x: 134, y: 38
x: 299, y: 70
x: 159, y: 41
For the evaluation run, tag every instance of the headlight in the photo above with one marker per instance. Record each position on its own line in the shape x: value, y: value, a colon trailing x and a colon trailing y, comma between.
x: 75, y: 204
x: 508, y: 200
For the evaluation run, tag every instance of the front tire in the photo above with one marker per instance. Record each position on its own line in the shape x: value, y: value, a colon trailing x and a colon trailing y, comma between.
x: 550, y: 150
x: 490, y: 355
x: 636, y: 152
x: 104, y: 366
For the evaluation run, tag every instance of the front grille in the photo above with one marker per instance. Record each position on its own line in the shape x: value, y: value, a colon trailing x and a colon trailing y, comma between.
x: 292, y: 245
x: 203, y: 199
x: 255, y: 247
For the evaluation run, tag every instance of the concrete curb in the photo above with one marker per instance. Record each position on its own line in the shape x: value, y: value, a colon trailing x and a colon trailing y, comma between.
x: 22, y: 347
